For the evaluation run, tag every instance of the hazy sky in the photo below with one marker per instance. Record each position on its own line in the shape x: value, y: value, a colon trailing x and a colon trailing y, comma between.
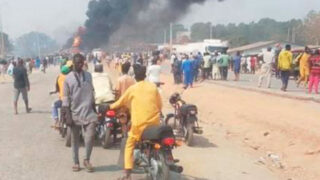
x: 62, y: 16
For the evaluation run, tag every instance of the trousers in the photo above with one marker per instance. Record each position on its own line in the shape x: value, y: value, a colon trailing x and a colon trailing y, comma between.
x: 313, y: 83
x: 266, y: 72
x: 89, y: 133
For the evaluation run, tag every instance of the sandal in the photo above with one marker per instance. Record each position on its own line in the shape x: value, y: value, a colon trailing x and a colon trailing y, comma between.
x: 76, y: 168
x: 88, y: 166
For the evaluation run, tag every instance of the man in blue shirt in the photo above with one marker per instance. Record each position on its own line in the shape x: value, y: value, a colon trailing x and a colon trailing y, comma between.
x: 187, y: 68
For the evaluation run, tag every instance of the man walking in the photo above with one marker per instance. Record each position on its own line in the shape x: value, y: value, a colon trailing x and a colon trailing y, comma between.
x: 78, y: 107
x: 224, y: 65
x: 304, y: 67
x: 266, y: 69
x: 284, y: 65
x: 187, y: 72
x: 21, y: 85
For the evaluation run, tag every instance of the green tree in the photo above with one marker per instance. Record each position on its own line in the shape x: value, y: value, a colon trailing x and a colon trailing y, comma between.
x: 33, y: 43
x: 7, y: 45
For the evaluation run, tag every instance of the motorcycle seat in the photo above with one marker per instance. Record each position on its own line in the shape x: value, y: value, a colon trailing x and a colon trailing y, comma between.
x: 187, y: 107
x: 157, y: 133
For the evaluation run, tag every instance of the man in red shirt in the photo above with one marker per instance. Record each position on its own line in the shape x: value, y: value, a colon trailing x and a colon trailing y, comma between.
x: 253, y: 62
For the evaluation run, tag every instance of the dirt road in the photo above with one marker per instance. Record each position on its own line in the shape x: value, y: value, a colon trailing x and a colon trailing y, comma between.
x: 31, y: 150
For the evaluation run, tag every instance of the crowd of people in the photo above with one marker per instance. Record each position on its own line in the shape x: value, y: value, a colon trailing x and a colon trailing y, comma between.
x: 80, y: 92
x: 278, y: 62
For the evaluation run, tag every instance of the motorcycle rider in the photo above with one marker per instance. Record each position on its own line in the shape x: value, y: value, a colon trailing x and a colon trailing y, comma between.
x: 59, y: 89
x: 102, y: 85
x: 145, y: 104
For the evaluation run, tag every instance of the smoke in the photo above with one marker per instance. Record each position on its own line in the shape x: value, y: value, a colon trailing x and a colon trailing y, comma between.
x: 124, y: 20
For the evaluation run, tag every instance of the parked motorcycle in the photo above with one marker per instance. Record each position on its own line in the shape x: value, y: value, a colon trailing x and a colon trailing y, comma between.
x: 186, y: 115
x: 154, y: 152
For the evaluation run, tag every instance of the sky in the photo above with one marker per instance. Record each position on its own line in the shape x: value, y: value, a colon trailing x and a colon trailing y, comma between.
x: 59, y: 18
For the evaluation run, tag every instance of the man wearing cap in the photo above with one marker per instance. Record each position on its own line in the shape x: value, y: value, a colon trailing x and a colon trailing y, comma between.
x: 136, y: 97
x: 266, y: 69
x: 59, y: 89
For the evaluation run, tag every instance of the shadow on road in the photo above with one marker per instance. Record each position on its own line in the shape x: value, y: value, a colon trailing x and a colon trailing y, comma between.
x: 186, y: 177
x: 108, y: 168
x: 40, y: 112
x: 201, y: 141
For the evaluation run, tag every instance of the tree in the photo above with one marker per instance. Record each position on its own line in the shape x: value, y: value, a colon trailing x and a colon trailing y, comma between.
x: 200, y: 31
x: 7, y: 44
x: 312, y: 26
x: 34, y: 44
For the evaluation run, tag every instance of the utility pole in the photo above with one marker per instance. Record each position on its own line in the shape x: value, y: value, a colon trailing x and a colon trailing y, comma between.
x: 171, y: 38
x: 2, y: 36
x: 293, y: 35
x: 211, y: 30
x: 165, y: 37
x: 38, y: 44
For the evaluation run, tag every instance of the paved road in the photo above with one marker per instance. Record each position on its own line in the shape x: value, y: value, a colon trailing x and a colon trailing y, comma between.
x: 31, y: 150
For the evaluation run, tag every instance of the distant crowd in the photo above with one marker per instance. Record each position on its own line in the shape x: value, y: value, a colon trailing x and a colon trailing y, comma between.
x: 303, y: 66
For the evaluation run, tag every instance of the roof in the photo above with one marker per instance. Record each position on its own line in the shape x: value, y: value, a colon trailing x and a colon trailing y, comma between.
x: 251, y: 46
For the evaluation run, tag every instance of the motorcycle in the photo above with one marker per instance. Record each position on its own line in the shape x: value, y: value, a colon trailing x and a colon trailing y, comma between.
x: 108, y: 127
x: 186, y: 115
x: 154, y: 152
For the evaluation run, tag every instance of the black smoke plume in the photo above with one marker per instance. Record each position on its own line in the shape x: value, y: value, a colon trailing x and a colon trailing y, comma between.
x: 124, y: 20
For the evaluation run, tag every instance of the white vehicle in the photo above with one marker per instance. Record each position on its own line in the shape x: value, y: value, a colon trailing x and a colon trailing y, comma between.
x: 208, y: 45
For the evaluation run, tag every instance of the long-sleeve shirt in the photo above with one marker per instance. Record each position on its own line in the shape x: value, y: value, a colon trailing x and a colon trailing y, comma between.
x: 187, y: 66
x: 144, y: 101
x: 102, y: 88
x: 78, y: 94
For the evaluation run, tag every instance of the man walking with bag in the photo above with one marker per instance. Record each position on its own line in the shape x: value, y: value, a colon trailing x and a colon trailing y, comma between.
x: 79, y: 111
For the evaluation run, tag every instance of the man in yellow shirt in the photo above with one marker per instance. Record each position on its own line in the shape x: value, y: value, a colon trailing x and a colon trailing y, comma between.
x: 304, y: 66
x: 59, y: 89
x: 144, y: 101
x: 284, y: 65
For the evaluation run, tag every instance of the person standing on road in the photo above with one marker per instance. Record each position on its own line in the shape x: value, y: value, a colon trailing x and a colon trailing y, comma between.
x: 237, y: 66
x: 21, y: 85
x: 266, y: 69
x: 154, y: 71
x: 315, y: 72
x: 176, y: 70
x: 253, y: 63
x: 284, y: 65
x: 142, y: 116
x: 196, y: 64
x: 304, y: 67
x: 224, y: 61
x: 78, y: 108
x: 206, y: 65
x: 187, y: 68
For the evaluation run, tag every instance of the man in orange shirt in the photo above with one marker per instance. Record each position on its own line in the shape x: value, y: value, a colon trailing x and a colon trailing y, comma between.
x: 124, y: 81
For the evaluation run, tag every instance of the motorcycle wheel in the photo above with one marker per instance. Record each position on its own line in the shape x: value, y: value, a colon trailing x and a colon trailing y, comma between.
x: 106, y: 139
x: 68, y: 137
x: 189, y: 134
x: 63, y: 130
x: 162, y: 169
